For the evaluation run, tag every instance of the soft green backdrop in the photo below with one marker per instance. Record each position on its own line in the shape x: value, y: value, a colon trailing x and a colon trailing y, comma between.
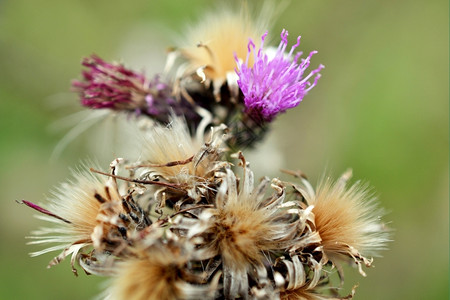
x: 381, y: 108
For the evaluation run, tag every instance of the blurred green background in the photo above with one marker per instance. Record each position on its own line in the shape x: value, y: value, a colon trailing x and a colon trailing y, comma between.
x: 381, y: 107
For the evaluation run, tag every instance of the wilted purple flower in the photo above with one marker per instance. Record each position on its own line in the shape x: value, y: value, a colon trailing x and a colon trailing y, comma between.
x: 113, y: 86
x: 108, y: 85
x: 274, y: 84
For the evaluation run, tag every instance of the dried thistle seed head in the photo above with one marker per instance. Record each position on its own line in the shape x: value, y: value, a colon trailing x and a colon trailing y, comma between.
x: 159, y: 271
x: 88, y: 211
x: 210, y: 44
x: 77, y: 202
x: 172, y: 155
x: 171, y: 143
x: 208, y: 47
x: 347, y: 219
x: 244, y: 228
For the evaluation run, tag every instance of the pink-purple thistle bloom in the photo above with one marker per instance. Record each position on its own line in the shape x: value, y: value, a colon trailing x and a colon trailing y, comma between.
x: 108, y: 85
x: 273, y: 85
x: 113, y: 86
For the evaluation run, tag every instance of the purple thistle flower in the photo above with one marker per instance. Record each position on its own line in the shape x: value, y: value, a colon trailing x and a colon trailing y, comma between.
x: 115, y: 87
x: 108, y: 85
x: 273, y: 85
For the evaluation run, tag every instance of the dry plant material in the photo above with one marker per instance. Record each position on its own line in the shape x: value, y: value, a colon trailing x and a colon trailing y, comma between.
x: 188, y: 220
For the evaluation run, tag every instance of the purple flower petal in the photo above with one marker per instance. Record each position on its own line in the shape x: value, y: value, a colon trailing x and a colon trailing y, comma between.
x: 273, y: 85
x: 43, y: 210
x: 112, y: 86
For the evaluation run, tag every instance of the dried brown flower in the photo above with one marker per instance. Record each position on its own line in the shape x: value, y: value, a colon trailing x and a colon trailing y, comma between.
x: 347, y: 219
x: 89, y: 211
x: 210, y: 45
x: 244, y: 228
x: 159, y: 271
x: 171, y: 155
x: 185, y: 223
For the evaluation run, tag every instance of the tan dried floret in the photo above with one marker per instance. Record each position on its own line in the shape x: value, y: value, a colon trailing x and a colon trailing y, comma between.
x: 90, y: 214
x: 171, y: 155
x: 209, y: 47
x: 159, y: 270
x: 347, y: 219
x: 244, y: 228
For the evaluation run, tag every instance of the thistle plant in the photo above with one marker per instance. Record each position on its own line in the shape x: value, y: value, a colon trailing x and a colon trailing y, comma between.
x: 188, y: 220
